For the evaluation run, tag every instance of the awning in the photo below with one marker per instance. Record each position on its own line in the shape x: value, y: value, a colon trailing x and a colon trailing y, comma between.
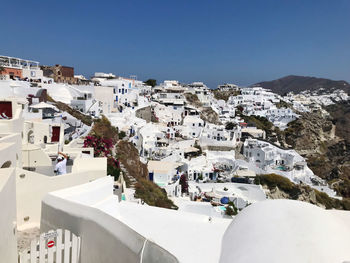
x: 43, y: 105
x: 191, y: 150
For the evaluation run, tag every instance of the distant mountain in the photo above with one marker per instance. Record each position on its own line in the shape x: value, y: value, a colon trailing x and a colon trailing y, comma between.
x: 301, y: 83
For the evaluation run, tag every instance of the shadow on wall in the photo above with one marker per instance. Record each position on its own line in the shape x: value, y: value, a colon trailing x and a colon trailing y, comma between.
x: 6, y: 164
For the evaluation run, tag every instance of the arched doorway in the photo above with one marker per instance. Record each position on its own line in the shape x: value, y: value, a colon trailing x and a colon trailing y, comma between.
x: 30, y: 137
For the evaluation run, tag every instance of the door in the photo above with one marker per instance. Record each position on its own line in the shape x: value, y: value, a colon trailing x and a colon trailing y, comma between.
x: 55, y: 134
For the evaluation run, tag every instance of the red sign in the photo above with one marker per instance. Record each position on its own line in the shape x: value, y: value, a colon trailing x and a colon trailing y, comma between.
x: 50, y: 243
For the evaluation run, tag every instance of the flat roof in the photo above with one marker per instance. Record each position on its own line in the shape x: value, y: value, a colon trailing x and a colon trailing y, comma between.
x: 27, y: 60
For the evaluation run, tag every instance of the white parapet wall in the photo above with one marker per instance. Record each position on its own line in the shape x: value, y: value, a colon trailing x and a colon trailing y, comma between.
x: 15, y: 124
x: 113, y: 231
x: 205, y: 142
x: 8, y: 234
x: 82, y: 210
x: 32, y: 187
x: 10, y: 151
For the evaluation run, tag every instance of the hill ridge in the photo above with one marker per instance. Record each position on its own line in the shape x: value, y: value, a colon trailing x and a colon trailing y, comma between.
x: 297, y: 84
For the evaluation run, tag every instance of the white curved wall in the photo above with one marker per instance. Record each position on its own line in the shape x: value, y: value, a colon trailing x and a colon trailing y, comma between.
x: 104, y: 238
x: 8, y: 236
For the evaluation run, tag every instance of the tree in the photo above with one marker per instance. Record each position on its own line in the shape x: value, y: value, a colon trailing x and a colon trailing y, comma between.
x: 230, y: 126
x: 2, y: 69
x: 184, y: 184
x: 121, y: 134
x: 151, y: 82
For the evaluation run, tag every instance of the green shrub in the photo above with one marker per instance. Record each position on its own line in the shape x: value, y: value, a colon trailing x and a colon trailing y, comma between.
x: 152, y: 194
x: 260, y: 122
x: 283, y: 183
x: 231, y: 209
x: 327, y: 201
x: 121, y: 134
x: 115, y: 172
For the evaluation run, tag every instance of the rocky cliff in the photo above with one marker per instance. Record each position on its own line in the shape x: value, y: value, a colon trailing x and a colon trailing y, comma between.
x: 324, y: 141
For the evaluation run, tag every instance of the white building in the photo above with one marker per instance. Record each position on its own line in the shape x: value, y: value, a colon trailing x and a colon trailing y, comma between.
x: 201, y: 91
x: 227, y: 87
x: 30, y: 148
x: 194, y: 126
x: 166, y: 175
x: 214, y: 135
x: 20, y: 68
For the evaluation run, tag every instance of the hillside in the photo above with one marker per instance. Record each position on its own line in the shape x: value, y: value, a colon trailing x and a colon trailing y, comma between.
x: 324, y: 141
x: 301, y: 83
x: 136, y: 174
x: 86, y: 119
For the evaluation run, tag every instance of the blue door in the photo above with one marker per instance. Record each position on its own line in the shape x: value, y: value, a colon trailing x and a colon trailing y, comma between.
x: 150, y: 176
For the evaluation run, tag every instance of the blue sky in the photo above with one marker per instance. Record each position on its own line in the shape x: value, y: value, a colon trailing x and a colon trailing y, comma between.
x: 212, y: 41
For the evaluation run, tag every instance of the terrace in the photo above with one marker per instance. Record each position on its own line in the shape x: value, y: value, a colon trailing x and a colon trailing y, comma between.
x: 12, y: 62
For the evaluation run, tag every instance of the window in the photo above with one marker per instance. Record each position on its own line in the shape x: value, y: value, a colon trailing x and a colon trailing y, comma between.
x: 193, y: 124
x: 193, y: 134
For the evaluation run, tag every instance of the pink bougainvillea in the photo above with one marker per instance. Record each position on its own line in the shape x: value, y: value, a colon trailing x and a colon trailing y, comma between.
x: 102, y: 147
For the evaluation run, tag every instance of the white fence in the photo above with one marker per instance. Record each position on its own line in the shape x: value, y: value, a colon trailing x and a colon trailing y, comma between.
x: 54, y: 246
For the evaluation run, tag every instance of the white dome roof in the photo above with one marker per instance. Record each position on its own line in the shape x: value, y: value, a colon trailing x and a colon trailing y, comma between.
x: 287, y: 231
